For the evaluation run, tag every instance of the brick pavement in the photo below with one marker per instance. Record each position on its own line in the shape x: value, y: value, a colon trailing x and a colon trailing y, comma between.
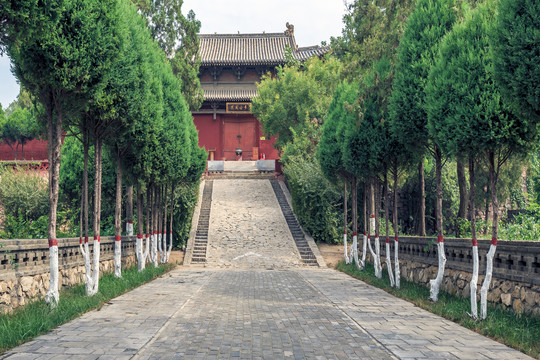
x: 260, y: 314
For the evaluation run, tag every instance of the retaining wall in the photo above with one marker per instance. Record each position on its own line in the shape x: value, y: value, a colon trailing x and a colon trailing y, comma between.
x: 516, y: 268
x: 28, y: 277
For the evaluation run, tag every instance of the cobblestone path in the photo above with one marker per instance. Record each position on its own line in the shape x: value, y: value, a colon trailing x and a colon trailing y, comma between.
x: 247, y: 227
x: 260, y: 314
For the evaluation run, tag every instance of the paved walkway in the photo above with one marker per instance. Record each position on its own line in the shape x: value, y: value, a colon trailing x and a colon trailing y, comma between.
x: 260, y: 314
x: 257, y: 302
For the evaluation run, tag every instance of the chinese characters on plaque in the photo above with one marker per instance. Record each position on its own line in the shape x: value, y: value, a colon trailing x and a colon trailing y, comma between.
x: 238, y: 108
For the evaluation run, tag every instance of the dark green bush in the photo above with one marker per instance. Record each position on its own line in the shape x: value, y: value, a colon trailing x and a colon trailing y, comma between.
x: 316, y: 201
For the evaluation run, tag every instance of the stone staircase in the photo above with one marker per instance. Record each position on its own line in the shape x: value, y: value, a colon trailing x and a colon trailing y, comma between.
x: 201, y: 236
x: 306, y: 254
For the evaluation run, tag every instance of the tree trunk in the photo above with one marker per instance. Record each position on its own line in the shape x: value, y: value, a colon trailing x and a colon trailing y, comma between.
x: 387, y: 221
x: 486, y: 215
x: 378, y: 271
x: 129, y: 211
x: 345, y: 246
x: 493, y: 179
x: 366, y: 224
x: 97, y: 217
x: 155, y: 226
x: 422, y: 198
x: 462, y: 184
x: 354, y: 248
x: 140, y: 231
x: 54, y: 137
x: 435, y: 284
x: 171, y: 224
x: 164, y: 246
x: 373, y: 227
x: 22, y: 151
x: 148, y: 224
x: 472, y: 208
x: 396, y: 230
x: 159, y: 252
x: 85, y: 207
x: 118, y: 220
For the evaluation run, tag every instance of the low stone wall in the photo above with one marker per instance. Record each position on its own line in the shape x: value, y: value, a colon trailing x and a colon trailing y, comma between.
x: 24, y: 266
x: 516, y: 268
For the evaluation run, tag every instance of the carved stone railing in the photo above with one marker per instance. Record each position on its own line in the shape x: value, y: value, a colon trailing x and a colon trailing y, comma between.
x: 514, y: 260
x: 31, y: 257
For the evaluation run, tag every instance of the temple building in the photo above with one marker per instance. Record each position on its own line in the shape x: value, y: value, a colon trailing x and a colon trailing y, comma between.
x: 231, y: 64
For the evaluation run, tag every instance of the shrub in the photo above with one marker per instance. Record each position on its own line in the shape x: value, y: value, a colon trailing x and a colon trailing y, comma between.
x: 24, y: 194
x: 316, y: 201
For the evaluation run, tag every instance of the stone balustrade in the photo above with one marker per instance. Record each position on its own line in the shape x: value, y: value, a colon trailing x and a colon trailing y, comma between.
x: 24, y: 266
x: 516, y: 268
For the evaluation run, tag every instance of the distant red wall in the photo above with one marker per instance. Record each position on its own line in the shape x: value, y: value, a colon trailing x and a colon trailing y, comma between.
x: 216, y: 134
x: 33, y: 150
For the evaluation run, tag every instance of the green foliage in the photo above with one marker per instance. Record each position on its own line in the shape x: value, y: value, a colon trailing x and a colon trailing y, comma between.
x: 176, y: 35
x: 185, y: 196
x: 520, y: 331
x: 24, y: 194
x: 427, y: 24
x: 18, y: 128
x: 38, y: 317
x: 515, y: 39
x: 316, y: 201
x: 341, y: 116
x: 296, y: 97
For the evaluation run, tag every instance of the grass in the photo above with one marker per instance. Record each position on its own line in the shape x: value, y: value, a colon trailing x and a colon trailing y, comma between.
x: 38, y: 318
x: 521, y: 332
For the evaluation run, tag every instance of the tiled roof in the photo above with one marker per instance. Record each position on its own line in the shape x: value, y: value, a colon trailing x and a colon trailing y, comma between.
x: 251, y: 49
x: 229, y: 93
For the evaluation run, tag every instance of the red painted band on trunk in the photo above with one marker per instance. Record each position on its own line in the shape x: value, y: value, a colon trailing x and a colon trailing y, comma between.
x: 440, y: 238
x: 147, y: 235
x: 354, y: 234
x: 494, y: 241
x: 80, y: 240
x: 372, y: 216
x: 117, y: 238
x: 376, y: 235
x: 345, y: 233
x: 53, y: 242
x: 86, y: 239
x: 388, y: 240
x: 170, y: 232
x: 365, y: 234
x: 139, y: 236
x: 474, y: 242
x: 395, y: 238
x: 130, y: 221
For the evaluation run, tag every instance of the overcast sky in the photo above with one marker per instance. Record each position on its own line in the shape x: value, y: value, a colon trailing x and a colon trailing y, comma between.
x: 314, y: 21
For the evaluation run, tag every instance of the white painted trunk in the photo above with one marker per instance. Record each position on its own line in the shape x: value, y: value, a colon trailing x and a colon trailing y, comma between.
x: 164, y: 247
x: 347, y: 261
x: 487, y: 280
x: 146, y: 252
x: 139, y: 252
x: 351, y: 252
x: 155, y: 250
x: 359, y: 265
x: 474, y: 284
x: 118, y: 258
x: 129, y: 228
x: 88, y: 268
x: 52, y: 295
x: 159, y: 253
x: 372, y: 253
x: 378, y: 267
x: 170, y: 246
x: 95, y: 274
x: 389, y: 264
x: 364, y: 249
x: 396, y: 261
x: 435, y: 284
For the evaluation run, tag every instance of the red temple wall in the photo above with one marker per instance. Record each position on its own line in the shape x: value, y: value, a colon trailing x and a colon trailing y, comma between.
x: 33, y: 150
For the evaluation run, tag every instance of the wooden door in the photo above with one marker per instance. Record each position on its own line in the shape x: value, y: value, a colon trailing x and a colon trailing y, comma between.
x: 238, y: 134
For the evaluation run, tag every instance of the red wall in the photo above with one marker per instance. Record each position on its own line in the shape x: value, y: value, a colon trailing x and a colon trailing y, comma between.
x: 212, y: 135
x: 33, y: 150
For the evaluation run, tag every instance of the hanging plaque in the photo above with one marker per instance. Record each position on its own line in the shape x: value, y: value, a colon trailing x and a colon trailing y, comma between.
x: 238, y: 108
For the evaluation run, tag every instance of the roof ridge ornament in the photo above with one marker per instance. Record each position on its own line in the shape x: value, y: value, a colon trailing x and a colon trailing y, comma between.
x: 290, y: 29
